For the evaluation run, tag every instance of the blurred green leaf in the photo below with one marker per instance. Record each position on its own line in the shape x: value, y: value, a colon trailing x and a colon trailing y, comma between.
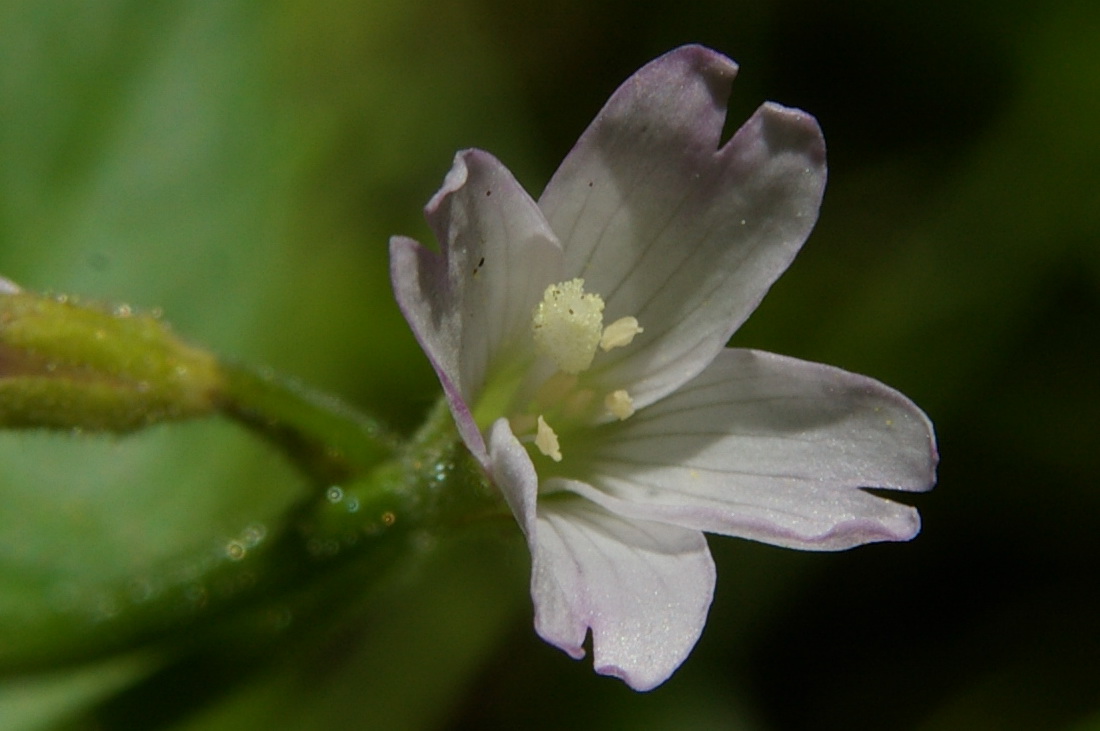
x: 403, y: 662
x: 141, y: 164
x: 35, y: 702
x: 90, y: 527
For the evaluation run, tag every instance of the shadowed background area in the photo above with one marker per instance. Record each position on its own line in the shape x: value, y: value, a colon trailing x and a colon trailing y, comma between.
x: 240, y: 165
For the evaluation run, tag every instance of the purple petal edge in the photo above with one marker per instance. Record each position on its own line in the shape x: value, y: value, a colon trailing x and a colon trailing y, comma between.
x: 407, y: 255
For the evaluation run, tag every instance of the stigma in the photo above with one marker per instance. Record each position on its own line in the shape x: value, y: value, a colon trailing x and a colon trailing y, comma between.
x: 568, y: 325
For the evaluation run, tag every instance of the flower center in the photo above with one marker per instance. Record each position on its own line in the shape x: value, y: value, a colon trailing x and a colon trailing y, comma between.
x: 567, y: 327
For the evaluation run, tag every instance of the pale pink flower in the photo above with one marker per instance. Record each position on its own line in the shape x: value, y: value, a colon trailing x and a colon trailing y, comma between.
x: 580, y: 341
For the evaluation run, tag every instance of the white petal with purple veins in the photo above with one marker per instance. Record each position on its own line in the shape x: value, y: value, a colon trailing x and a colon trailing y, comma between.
x: 671, y: 229
x: 770, y: 448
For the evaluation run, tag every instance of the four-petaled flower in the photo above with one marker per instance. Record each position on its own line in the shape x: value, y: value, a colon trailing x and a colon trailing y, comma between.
x: 616, y: 445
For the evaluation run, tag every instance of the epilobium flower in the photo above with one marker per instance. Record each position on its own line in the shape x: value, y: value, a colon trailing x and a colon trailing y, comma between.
x: 580, y: 341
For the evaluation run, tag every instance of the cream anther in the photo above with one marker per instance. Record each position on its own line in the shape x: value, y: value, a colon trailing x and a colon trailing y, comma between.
x: 619, y: 404
x: 567, y: 325
x: 620, y: 333
x: 547, y: 441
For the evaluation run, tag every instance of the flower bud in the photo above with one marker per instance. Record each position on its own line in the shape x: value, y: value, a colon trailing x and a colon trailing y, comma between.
x: 67, y: 365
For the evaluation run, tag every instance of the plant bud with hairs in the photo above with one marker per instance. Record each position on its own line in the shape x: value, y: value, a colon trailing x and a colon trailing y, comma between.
x: 66, y: 365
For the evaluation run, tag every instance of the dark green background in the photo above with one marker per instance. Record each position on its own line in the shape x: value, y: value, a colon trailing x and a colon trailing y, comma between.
x: 241, y: 165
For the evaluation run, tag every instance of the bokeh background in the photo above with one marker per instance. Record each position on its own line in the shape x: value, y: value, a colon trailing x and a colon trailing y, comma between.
x: 241, y: 164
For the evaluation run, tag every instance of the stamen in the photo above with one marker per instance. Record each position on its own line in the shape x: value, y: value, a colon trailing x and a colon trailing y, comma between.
x: 619, y: 404
x: 547, y: 441
x: 620, y: 333
x: 567, y: 325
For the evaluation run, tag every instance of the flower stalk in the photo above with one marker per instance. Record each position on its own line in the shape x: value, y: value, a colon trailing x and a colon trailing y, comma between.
x: 323, y: 436
x: 286, y: 579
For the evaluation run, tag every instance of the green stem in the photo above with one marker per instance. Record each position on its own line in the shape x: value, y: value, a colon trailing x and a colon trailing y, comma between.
x: 324, y: 437
x: 326, y: 553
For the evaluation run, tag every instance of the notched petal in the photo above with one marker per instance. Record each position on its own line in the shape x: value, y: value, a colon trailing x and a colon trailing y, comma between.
x: 787, y: 128
x: 642, y: 588
x: 671, y: 229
